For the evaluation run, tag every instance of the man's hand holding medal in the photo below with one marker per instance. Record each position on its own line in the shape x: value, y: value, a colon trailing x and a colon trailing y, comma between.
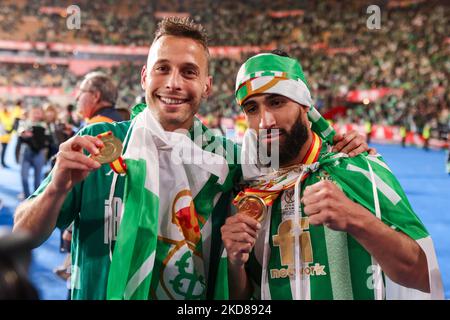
x: 73, y: 166
x: 240, y: 231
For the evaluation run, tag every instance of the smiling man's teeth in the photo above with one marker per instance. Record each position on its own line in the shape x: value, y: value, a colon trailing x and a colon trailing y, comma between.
x: 171, y: 101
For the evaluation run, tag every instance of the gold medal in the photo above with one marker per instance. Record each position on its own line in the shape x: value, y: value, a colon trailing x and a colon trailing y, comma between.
x: 253, y: 206
x: 111, y: 151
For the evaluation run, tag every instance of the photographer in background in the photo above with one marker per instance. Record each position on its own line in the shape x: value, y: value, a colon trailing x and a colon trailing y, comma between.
x: 58, y: 132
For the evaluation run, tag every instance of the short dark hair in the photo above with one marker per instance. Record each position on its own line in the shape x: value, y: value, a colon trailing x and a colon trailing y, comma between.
x: 182, y: 27
x: 280, y: 52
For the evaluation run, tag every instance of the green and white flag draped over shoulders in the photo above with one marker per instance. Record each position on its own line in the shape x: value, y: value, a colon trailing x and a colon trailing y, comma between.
x: 172, y: 187
x: 295, y: 260
x: 332, y: 264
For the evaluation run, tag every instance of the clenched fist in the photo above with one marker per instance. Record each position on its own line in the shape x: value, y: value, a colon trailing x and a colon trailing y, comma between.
x: 326, y: 204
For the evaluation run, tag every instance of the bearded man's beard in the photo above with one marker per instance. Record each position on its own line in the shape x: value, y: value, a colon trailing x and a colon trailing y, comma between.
x: 289, y: 148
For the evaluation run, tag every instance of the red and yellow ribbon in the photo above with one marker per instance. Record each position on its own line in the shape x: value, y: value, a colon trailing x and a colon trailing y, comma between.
x: 269, y: 196
x: 118, y: 166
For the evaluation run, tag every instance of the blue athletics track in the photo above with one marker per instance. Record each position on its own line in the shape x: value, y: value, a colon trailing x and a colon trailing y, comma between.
x: 421, y: 174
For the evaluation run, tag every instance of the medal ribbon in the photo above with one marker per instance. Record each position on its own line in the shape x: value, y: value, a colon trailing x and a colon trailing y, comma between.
x: 269, y: 192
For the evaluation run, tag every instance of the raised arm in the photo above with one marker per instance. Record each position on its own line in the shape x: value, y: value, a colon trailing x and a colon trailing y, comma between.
x: 38, y: 216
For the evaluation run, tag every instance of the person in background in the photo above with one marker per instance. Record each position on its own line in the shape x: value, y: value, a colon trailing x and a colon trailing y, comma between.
x: 18, y: 114
x: 403, y: 134
x: 426, y: 133
x: 64, y: 271
x: 6, y: 129
x: 51, y: 119
x: 71, y: 118
x: 58, y: 132
x: 96, y: 99
x: 34, y: 139
x: 368, y: 129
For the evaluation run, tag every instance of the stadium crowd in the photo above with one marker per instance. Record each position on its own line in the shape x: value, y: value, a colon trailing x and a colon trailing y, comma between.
x: 409, y: 53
